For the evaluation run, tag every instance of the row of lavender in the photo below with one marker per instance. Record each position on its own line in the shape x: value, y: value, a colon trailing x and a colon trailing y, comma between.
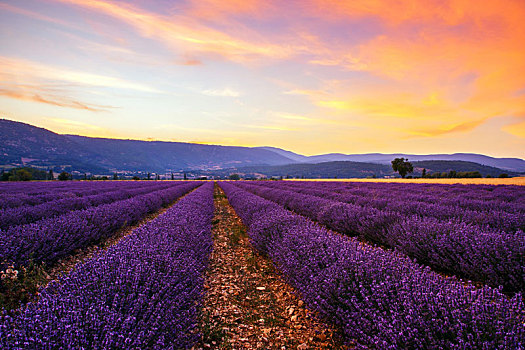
x: 451, y: 194
x: 378, y: 297
x: 26, y: 214
x: 49, y: 240
x: 469, y: 251
x: 447, y: 203
x: 142, y: 293
x: 19, y: 194
x: 41, y: 187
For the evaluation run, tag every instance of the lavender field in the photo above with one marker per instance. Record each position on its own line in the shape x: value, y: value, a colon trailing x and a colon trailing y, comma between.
x: 246, y: 174
x: 385, y: 265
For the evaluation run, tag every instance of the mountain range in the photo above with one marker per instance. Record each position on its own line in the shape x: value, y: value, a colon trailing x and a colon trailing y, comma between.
x: 347, y: 169
x: 510, y: 164
x: 26, y: 145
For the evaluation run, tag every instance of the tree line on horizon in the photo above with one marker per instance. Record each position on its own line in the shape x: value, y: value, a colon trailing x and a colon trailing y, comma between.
x: 403, y: 167
x: 400, y: 165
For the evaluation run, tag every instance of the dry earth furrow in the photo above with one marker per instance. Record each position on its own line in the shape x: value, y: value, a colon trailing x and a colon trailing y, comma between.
x: 247, y: 305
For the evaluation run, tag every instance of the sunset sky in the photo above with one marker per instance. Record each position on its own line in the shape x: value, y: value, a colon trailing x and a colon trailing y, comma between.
x: 310, y: 76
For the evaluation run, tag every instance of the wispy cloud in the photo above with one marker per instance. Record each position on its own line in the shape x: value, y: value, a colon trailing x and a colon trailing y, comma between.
x: 345, y: 61
x: 35, y: 82
x: 294, y: 117
x: 188, y: 61
x: 305, y: 120
x: 274, y: 127
x: 457, y: 128
x: 305, y: 92
x: 59, y: 101
x: 185, y: 34
x: 225, y: 9
x: 516, y: 129
x: 226, y: 92
x: 67, y: 123
x: 77, y: 127
x: 24, y: 70
x: 35, y: 15
x: 182, y: 127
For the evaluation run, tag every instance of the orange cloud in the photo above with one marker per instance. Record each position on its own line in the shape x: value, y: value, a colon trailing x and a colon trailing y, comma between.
x: 380, y: 102
x: 426, y: 46
x: 434, y: 41
x: 517, y: 129
x: 189, y: 61
x: 31, y: 81
x: 410, y: 113
x: 446, y: 12
x: 76, y: 127
x: 68, y: 124
x: 461, y: 127
x: 53, y: 100
x: 345, y: 61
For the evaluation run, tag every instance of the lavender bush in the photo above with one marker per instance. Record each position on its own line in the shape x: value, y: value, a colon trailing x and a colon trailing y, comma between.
x: 51, y: 239
x: 380, y: 298
x: 15, y: 194
x: 481, y: 254
x: 503, y: 210
x: 142, y: 293
x: 27, y: 214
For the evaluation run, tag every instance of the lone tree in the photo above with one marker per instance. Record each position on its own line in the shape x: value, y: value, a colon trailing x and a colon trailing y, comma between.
x: 64, y: 176
x: 402, y: 166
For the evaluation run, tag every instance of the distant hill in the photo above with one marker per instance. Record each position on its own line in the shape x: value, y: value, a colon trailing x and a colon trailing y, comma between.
x: 442, y: 166
x: 345, y: 169
x: 509, y: 164
x: 133, y: 155
x: 299, y: 158
x: 26, y: 145
x: 313, y: 171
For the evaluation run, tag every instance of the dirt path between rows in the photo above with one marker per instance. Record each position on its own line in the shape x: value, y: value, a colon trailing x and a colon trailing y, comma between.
x: 247, y: 305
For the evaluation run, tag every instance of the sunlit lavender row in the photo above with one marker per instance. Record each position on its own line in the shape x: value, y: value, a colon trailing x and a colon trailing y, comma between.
x: 500, y: 207
x: 379, y: 298
x: 142, y: 293
x: 480, y: 253
x: 30, y: 213
x: 51, y: 239
x: 72, y: 189
x: 16, y: 194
